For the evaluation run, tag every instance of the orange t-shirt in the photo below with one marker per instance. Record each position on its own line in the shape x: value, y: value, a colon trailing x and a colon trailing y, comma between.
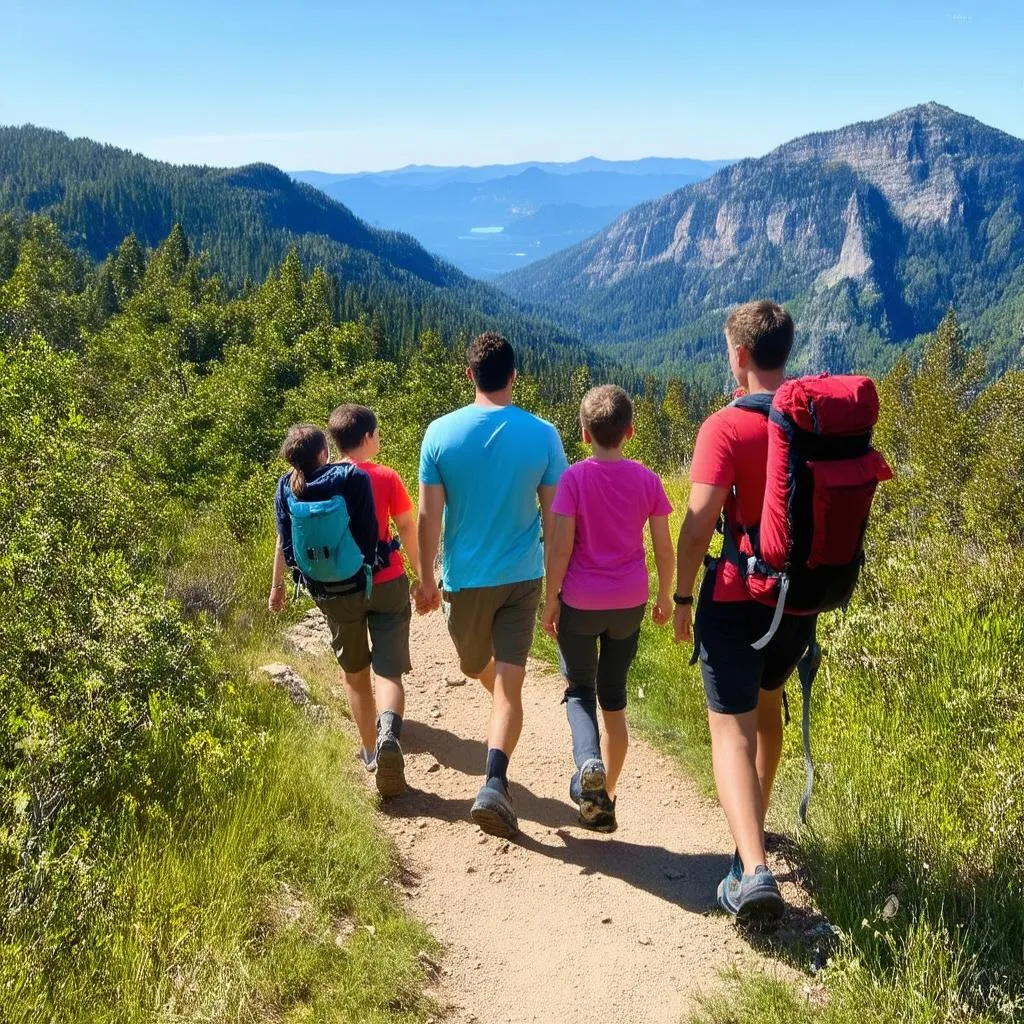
x: 390, y: 499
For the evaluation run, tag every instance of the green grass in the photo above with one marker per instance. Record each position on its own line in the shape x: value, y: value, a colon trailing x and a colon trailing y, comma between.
x: 272, y: 900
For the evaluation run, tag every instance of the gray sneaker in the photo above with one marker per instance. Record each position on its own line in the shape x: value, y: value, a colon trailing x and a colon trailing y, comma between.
x: 390, y: 766
x: 493, y: 811
x: 368, y: 760
x: 754, y: 900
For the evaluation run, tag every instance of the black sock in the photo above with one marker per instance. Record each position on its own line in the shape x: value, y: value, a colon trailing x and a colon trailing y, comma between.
x: 390, y: 722
x: 497, y: 765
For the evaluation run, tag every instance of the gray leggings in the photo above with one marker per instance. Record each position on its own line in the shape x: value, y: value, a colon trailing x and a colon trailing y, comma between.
x: 596, y: 649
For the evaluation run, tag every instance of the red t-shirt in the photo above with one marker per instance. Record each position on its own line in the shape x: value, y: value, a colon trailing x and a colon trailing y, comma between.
x: 732, y: 451
x: 390, y: 499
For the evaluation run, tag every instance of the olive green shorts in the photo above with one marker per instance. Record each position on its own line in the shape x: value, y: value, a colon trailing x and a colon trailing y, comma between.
x: 492, y: 622
x: 382, y: 620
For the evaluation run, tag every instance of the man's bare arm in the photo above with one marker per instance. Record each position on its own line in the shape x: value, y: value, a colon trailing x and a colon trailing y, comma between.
x: 546, y: 496
x: 702, y: 512
x: 432, y: 498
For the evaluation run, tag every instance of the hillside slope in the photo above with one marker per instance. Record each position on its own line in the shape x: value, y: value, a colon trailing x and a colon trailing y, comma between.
x: 870, y: 232
x: 246, y: 219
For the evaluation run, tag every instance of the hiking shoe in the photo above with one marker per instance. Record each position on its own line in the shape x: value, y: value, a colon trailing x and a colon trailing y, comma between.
x: 493, y: 811
x: 390, y: 766
x: 725, y: 886
x: 587, y: 786
x: 754, y: 900
x: 601, y: 814
x: 368, y: 759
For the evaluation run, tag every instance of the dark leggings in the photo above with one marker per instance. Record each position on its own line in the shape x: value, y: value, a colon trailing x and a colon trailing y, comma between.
x: 596, y: 649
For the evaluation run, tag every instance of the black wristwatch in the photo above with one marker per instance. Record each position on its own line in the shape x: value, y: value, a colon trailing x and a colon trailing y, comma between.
x: 683, y: 600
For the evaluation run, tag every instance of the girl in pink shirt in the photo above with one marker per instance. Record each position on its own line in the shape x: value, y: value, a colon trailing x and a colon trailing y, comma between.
x: 597, y: 591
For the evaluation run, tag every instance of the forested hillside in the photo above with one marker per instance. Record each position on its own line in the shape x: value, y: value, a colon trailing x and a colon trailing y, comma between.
x: 245, y: 220
x: 868, y: 233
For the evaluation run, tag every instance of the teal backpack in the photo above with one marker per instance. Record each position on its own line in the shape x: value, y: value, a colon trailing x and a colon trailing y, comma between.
x: 324, y: 548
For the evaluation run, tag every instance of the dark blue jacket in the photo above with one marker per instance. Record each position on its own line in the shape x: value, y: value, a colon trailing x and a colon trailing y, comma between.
x: 353, y: 484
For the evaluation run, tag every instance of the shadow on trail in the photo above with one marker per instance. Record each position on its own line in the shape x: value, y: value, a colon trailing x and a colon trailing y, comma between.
x: 687, y: 880
x: 455, y: 752
x: 416, y: 803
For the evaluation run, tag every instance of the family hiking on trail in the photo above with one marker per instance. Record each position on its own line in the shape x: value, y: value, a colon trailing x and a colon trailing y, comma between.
x: 785, y: 472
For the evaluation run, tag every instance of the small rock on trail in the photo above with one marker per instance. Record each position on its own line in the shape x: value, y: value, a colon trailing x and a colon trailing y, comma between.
x: 284, y: 677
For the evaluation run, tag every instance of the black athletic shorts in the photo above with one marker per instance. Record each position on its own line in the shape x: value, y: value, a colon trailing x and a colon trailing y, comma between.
x: 732, y: 671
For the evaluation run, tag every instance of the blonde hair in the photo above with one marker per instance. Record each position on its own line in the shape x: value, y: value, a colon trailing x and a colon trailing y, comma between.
x: 606, y: 413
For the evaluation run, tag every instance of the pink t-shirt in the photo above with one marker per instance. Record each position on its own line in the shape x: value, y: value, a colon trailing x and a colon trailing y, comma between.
x: 611, y: 502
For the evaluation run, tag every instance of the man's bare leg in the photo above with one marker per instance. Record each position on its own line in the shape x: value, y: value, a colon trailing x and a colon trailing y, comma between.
x: 734, y: 758
x: 769, y: 743
x: 485, y: 676
x: 506, y: 722
x: 492, y: 809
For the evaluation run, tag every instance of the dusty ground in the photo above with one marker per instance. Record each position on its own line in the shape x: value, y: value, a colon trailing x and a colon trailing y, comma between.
x: 560, y: 925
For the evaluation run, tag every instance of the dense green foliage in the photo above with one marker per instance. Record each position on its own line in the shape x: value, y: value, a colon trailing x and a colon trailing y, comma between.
x: 245, y: 220
x: 921, y: 210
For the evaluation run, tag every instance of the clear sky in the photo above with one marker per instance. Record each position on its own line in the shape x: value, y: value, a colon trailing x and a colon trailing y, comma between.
x: 341, y: 86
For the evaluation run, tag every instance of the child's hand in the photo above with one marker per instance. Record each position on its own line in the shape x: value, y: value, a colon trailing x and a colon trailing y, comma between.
x: 278, y: 598
x: 426, y: 597
x: 662, y: 610
x: 549, y: 618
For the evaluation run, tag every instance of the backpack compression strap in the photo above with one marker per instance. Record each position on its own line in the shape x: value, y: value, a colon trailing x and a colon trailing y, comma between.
x: 807, y: 669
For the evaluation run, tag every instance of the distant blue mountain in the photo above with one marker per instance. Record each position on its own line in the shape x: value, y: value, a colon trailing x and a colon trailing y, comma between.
x: 488, y: 220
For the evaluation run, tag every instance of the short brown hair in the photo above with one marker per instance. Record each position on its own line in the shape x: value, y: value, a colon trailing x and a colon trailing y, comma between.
x: 302, y: 449
x: 491, y: 361
x: 606, y: 413
x: 349, y: 425
x: 765, y: 330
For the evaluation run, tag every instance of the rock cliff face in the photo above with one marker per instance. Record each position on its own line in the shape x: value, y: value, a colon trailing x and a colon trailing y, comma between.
x: 871, y: 231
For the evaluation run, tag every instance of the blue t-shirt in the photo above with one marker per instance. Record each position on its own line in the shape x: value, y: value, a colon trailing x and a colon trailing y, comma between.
x: 491, y: 462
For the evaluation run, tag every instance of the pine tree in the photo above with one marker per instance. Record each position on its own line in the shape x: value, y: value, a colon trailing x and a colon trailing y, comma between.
x: 128, y: 269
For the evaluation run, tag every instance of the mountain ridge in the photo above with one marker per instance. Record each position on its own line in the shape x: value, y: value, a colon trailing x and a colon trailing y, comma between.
x: 870, y: 231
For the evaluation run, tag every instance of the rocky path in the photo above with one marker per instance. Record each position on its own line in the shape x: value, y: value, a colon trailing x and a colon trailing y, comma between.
x: 560, y: 925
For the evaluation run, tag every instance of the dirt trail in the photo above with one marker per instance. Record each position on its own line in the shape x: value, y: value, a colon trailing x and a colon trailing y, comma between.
x: 560, y: 925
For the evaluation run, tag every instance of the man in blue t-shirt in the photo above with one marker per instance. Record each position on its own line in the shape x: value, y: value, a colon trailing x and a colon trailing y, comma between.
x: 488, y: 474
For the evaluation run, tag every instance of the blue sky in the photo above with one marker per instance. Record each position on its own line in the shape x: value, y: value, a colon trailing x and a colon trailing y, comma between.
x: 340, y: 86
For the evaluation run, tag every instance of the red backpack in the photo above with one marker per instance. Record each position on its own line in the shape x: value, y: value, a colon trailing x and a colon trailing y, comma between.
x: 805, y: 554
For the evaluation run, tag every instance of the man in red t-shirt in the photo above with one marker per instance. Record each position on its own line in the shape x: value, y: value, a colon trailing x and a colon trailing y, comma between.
x: 743, y: 686
x: 384, y: 615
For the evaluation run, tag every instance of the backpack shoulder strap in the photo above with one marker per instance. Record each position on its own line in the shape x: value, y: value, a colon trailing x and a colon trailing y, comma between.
x: 761, y: 402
